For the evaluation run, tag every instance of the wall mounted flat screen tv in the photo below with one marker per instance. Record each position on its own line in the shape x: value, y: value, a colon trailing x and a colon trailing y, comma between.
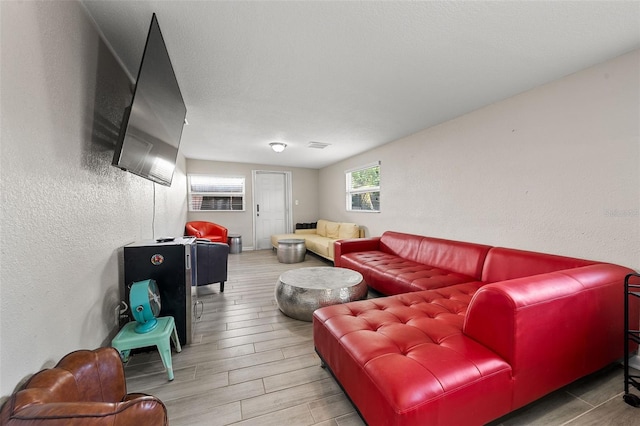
x: 152, y: 125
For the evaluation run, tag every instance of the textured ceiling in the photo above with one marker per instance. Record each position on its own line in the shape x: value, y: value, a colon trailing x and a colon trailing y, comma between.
x: 355, y: 74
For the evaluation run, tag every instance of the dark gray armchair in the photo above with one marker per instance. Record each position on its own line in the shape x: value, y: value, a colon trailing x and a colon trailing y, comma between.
x: 211, y: 263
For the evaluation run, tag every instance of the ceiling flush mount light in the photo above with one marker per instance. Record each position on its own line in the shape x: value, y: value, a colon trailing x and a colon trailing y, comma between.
x: 278, y: 146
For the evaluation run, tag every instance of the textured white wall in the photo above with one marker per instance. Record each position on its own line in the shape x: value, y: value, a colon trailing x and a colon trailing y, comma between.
x: 66, y: 212
x: 304, y: 188
x: 555, y: 169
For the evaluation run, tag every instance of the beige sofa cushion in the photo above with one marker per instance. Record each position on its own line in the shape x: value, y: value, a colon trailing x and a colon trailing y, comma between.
x: 348, y: 230
x: 333, y: 230
x: 277, y: 237
x: 321, y: 227
x: 318, y: 244
x: 299, y: 233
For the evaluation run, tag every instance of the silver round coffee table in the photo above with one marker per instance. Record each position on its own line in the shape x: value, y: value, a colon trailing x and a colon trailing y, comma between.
x: 291, y: 250
x: 299, y: 292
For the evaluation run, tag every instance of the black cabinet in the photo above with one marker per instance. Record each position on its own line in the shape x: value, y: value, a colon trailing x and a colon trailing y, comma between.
x: 172, y: 265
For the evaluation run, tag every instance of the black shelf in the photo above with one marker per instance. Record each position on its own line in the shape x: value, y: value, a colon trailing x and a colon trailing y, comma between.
x: 630, y: 336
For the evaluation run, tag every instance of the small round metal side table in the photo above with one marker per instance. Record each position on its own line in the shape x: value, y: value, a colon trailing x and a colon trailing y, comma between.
x: 291, y: 250
x: 235, y: 243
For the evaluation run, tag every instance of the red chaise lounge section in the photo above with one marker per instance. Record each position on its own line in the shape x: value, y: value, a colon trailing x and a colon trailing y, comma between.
x: 523, y: 325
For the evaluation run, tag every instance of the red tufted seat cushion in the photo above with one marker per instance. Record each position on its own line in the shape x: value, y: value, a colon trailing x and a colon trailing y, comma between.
x: 391, y: 274
x: 403, y: 354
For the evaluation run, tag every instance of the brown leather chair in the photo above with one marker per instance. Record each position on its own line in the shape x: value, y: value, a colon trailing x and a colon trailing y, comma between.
x: 207, y: 230
x: 84, y: 388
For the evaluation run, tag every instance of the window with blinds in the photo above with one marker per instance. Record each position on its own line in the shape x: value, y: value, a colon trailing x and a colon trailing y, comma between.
x: 216, y: 193
x: 363, y: 188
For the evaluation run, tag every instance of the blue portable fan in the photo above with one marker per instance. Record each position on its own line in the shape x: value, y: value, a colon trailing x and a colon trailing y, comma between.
x: 144, y: 299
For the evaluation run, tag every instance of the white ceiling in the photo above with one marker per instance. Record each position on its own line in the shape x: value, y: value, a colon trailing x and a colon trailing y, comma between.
x: 355, y: 74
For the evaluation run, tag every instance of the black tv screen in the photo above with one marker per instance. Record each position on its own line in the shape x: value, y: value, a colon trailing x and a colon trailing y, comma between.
x: 152, y: 126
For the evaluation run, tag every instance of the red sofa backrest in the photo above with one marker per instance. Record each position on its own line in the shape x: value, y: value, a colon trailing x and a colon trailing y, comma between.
x: 455, y: 256
x: 506, y: 264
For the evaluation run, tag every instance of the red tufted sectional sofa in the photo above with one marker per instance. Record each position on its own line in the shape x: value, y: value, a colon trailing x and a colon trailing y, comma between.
x: 471, y: 332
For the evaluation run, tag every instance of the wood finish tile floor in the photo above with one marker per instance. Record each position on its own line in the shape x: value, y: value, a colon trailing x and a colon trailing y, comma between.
x: 252, y: 365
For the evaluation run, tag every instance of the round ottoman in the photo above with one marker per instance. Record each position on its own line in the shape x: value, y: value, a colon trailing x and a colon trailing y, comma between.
x: 291, y: 250
x: 299, y: 292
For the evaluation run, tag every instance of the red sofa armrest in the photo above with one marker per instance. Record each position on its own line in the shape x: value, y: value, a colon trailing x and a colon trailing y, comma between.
x: 552, y: 328
x: 352, y: 245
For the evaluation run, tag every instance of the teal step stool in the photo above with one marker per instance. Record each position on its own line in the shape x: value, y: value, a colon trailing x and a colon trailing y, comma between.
x: 160, y: 337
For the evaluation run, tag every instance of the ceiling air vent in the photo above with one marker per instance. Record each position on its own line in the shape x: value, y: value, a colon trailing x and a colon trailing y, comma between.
x: 318, y: 145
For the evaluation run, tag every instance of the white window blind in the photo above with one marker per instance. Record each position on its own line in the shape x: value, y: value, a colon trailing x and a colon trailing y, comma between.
x: 216, y: 193
x: 363, y: 188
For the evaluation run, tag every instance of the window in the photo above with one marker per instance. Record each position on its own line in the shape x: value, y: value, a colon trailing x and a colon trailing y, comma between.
x: 363, y: 188
x: 218, y: 193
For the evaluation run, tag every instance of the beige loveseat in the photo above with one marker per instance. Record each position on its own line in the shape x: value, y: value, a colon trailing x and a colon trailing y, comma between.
x: 320, y: 240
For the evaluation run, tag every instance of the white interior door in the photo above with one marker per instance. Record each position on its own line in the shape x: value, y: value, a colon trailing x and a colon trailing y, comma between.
x: 272, y: 206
